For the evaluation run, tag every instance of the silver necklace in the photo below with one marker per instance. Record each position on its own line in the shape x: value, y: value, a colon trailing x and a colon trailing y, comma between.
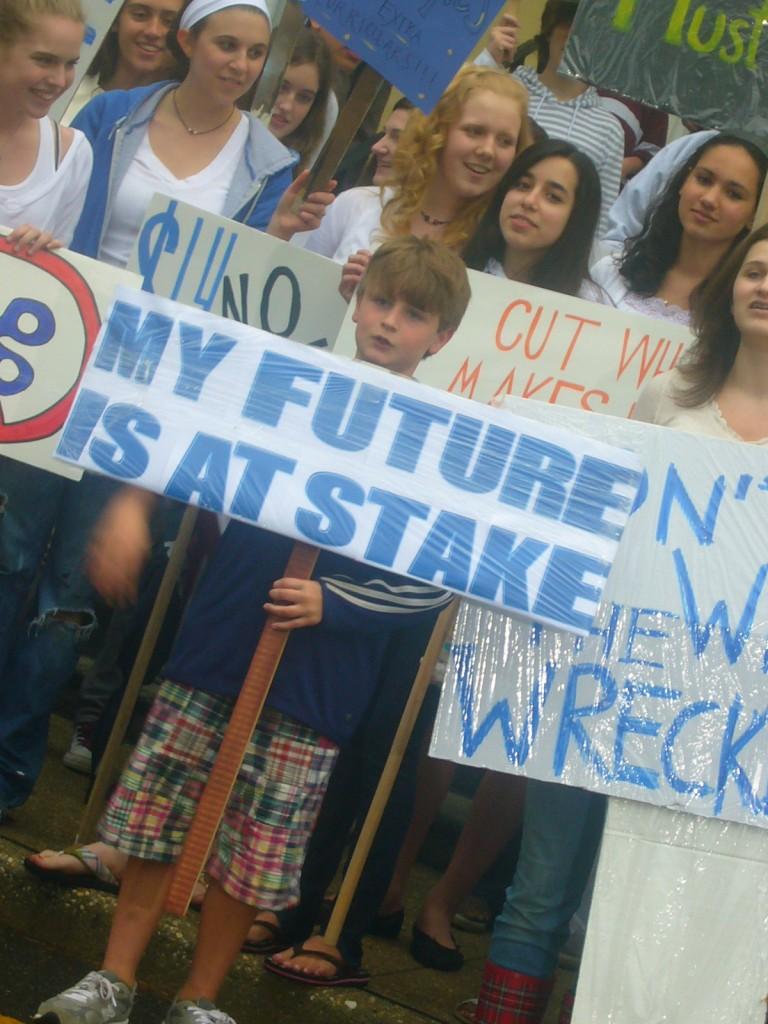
x: 197, y: 131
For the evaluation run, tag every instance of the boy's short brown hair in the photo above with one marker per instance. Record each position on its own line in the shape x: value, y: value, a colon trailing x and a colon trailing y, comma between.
x: 422, y: 272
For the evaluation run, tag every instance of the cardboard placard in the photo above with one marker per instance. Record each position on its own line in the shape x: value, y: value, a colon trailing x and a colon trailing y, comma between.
x: 341, y: 455
x: 417, y: 47
x: 532, y: 343
x: 704, y: 61
x: 666, y: 701
x: 51, y: 306
x: 235, y: 271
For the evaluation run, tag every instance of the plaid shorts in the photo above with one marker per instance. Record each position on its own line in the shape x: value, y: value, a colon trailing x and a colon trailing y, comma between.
x: 260, y: 847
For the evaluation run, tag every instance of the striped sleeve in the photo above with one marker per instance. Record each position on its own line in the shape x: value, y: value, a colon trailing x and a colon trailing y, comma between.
x: 378, y: 603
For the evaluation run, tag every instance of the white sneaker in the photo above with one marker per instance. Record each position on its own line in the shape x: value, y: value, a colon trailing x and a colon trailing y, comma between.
x: 79, y: 757
x: 100, y: 998
x: 199, y: 1011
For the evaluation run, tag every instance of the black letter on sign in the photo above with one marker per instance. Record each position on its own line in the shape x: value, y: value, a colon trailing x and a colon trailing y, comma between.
x: 295, y: 311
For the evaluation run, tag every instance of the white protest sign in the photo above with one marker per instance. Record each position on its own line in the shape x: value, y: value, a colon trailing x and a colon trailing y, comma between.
x: 99, y: 15
x: 667, y: 700
x: 235, y: 271
x: 519, y: 340
x: 51, y: 307
x: 340, y: 454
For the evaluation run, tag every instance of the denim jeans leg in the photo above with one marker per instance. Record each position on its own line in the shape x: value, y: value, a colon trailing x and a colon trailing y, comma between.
x: 46, y: 654
x: 29, y: 500
x: 561, y: 833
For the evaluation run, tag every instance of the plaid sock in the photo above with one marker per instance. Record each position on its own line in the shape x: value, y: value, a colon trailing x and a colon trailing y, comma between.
x: 508, y: 997
x: 566, y: 1008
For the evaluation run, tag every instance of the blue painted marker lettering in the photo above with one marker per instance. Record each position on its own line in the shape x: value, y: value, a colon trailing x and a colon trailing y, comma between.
x: 572, y: 714
x: 338, y: 425
x: 731, y: 767
x: 333, y: 525
x: 676, y: 781
x: 733, y: 641
x: 631, y: 724
x: 635, y: 630
x: 675, y: 491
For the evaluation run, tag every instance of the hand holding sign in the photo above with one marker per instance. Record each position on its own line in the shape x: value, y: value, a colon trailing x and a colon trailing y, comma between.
x: 502, y: 39
x: 294, y: 214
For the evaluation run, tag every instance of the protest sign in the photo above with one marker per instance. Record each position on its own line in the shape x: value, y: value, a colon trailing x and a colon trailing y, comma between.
x: 665, y: 702
x: 99, y: 15
x: 341, y: 455
x: 417, y: 47
x: 519, y: 340
x: 704, y: 61
x: 232, y: 270
x: 51, y: 306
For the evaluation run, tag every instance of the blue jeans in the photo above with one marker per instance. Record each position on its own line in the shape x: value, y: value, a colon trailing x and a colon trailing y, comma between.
x: 562, y: 828
x: 39, y: 654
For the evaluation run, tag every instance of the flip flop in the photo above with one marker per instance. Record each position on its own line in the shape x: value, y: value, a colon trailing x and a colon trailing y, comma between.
x: 346, y: 974
x: 465, y: 1011
x: 276, y: 943
x: 97, y: 875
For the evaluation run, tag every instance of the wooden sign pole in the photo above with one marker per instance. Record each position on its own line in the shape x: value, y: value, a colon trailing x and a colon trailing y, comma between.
x: 245, y: 715
x: 110, y: 761
x: 284, y: 39
x: 761, y: 213
x: 442, y: 630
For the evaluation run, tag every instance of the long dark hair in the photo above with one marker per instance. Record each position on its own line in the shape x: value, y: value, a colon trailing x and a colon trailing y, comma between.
x: 709, y: 360
x: 311, y: 48
x: 556, y: 12
x: 649, y: 256
x: 565, y: 265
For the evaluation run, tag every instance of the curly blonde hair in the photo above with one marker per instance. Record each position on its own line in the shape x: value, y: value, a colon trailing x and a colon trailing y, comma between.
x: 418, y: 155
x: 17, y: 17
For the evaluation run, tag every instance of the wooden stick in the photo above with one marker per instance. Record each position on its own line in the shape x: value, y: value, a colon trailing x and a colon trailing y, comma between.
x: 442, y: 629
x: 245, y: 715
x: 761, y: 214
x: 367, y: 87
x: 109, y: 762
x: 284, y: 38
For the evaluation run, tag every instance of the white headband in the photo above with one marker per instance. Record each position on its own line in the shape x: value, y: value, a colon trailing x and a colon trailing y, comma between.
x: 200, y: 9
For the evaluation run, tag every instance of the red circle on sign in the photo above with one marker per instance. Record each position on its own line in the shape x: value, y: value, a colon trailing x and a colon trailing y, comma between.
x: 46, y: 423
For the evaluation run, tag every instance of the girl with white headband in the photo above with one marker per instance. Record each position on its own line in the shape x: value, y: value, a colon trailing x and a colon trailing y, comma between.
x: 188, y: 139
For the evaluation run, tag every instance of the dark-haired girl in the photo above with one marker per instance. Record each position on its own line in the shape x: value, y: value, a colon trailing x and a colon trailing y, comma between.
x: 705, y: 209
x: 540, y: 224
x: 133, y: 53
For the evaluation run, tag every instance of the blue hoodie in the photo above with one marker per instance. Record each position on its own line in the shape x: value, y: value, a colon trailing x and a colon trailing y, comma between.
x: 115, y: 124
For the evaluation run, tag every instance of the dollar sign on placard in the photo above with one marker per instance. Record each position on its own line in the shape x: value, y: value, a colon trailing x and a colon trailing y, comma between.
x: 159, y: 235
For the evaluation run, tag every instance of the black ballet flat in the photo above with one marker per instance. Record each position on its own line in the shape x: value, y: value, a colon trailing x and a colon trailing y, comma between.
x: 387, y: 926
x: 430, y: 953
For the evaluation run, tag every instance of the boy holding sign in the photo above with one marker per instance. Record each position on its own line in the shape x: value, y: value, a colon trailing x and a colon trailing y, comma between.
x: 409, y: 303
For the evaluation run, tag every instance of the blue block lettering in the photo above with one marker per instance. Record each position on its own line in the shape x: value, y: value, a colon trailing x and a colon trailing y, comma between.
x: 127, y: 458
x: 391, y: 524
x: 273, y: 388
x: 202, y: 471
x: 446, y: 552
x: 260, y: 471
x: 417, y: 419
x: 563, y: 584
x: 82, y: 421
x: 461, y: 453
x: 538, y: 469
x: 332, y: 526
x: 334, y: 423
x: 198, y: 361
x: 593, y: 493
x: 138, y: 346
x: 504, y: 566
